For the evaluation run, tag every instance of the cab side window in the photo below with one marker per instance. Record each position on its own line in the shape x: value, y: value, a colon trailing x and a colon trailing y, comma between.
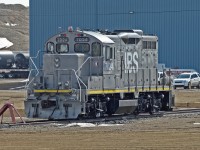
x: 96, y: 49
x: 108, y: 53
x: 81, y: 47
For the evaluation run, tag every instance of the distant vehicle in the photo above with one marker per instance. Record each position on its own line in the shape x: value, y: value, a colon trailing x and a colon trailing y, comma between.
x: 187, y: 80
x: 177, y: 72
x: 164, y: 79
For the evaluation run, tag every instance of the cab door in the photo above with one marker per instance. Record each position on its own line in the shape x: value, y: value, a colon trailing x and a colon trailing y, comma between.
x: 109, y: 67
x: 108, y: 62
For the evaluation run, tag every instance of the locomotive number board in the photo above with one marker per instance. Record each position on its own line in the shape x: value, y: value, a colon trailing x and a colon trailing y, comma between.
x: 81, y: 39
x: 62, y: 39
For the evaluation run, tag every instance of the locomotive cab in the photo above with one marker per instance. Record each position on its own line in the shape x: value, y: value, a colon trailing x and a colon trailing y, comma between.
x: 72, y: 63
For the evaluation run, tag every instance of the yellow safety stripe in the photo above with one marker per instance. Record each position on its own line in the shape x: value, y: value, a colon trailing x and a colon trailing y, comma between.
x: 106, y: 91
x: 52, y: 91
x: 110, y: 91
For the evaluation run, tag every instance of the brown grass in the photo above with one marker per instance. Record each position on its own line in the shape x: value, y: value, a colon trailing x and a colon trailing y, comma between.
x: 100, y: 139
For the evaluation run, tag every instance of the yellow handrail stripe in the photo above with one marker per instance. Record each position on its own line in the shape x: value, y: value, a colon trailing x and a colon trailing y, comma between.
x: 52, y: 91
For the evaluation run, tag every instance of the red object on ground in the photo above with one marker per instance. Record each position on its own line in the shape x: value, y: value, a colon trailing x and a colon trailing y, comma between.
x: 11, y: 108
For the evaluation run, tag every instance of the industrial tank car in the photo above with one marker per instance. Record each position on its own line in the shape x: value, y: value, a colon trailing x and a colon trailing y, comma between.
x: 14, y: 64
x: 22, y: 60
x: 6, y: 59
x: 93, y: 74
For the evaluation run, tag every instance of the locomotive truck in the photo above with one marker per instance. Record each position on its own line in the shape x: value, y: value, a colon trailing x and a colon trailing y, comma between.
x: 95, y: 74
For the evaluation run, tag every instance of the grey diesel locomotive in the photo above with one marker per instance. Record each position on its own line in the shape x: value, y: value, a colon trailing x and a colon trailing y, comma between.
x: 96, y: 74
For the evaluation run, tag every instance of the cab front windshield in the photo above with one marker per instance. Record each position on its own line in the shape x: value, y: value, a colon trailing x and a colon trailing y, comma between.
x: 183, y: 76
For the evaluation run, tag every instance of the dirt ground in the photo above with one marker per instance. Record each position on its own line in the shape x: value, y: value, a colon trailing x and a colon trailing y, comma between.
x: 167, y: 133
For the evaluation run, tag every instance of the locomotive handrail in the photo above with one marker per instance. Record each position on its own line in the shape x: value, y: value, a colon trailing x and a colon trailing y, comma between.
x: 78, y: 79
x: 28, y: 83
x: 85, y: 62
x: 150, y: 84
x: 31, y: 59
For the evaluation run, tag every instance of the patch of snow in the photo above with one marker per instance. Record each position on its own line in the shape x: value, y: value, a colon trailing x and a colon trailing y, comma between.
x: 57, y: 124
x: 81, y: 125
x: 4, y: 43
x: 90, y: 125
x: 6, y: 52
x: 109, y: 125
x: 26, y: 80
x: 7, y: 24
x: 196, y: 123
x: 11, y: 24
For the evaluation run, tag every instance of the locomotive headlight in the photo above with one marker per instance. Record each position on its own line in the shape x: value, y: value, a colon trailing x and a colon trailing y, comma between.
x: 57, y: 60
x: 57, y: 65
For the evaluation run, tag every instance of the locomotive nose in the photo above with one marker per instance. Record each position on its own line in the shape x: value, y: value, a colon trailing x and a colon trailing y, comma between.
x: 64, y: 61
x: 64, y: 69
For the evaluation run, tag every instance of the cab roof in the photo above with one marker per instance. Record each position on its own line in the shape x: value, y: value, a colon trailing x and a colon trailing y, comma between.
x: 103, y: 38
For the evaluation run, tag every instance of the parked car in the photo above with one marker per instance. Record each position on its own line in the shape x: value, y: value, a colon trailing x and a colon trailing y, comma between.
x: 187, y: 80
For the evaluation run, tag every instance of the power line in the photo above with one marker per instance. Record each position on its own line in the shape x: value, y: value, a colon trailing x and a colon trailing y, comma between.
x: 153, y: 12
x: 113, y: 13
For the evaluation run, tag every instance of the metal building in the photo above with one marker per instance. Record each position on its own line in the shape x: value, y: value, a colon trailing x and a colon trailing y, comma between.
x: 175, y: 22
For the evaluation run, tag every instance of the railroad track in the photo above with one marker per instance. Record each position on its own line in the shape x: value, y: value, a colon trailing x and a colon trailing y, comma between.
x: 110, y: 120
x: 113, y: 119
x: 182, y: 111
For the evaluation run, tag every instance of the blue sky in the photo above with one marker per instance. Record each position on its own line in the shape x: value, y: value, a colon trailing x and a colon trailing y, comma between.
x: 23, y: 2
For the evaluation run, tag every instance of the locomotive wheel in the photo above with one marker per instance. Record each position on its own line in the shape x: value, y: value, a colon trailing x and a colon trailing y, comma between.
x: 136, y: 112
x: 152, y: 110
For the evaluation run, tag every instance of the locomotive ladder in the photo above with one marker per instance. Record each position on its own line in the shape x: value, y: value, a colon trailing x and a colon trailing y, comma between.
x: 12, y: 109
